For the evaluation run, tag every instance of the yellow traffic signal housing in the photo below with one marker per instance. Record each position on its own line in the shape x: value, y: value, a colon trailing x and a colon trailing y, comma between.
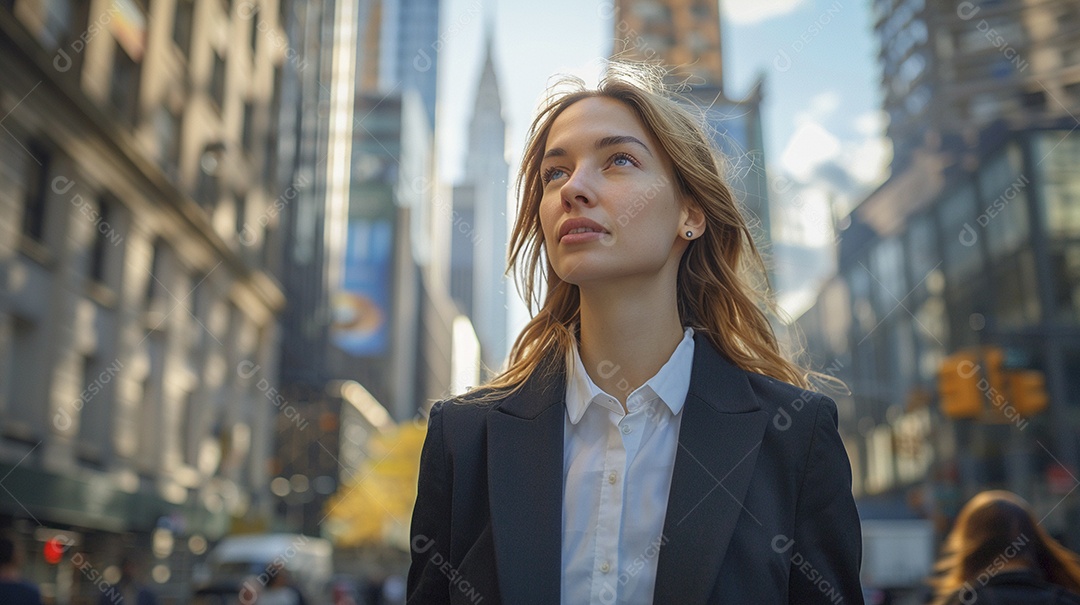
x: 958, y: 386
x: 1027, y: 391
x: 993, y: 358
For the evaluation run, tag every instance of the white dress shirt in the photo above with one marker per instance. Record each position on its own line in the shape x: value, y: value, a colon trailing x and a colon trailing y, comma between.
x: 616, y: 477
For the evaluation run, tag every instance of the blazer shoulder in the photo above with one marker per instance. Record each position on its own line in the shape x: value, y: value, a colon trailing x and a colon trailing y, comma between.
x: 464, y: 414
x: 776, y: 396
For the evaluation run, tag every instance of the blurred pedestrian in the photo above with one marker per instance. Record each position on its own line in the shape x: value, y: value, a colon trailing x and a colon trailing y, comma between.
x: 998, y: 553
x: 14, y: 590
x: 587, y: 470
x: 373, y: 589
x: 130, y: 588
x: 279, y: 589
x: 343, y: 593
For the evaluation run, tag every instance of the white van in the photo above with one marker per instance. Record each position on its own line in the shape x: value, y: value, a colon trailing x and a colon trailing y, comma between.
x: 240, y: 566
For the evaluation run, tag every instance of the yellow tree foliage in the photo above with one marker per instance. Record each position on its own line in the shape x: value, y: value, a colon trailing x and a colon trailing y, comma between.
x: 375, y: 508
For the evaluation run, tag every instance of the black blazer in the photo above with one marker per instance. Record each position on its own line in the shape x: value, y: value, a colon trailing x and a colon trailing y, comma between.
x: 760, y: 509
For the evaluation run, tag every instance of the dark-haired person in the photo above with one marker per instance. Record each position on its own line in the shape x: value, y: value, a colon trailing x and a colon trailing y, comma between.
x: 14, y: 590
x: 648, y: 442
x: 129, y: 590
x: 998, y: 553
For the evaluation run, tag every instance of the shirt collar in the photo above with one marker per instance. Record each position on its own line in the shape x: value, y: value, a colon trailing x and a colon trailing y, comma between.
x: 670, y: 384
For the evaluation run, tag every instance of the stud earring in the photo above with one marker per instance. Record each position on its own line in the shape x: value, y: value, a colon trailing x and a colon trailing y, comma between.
x: 689, y: 234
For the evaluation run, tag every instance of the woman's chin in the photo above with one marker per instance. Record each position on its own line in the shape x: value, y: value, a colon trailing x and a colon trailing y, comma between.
x: 585, y: 273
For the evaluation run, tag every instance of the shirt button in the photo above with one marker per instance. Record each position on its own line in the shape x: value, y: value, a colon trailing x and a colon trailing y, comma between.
x: 605, y: 567
x: 626, y: 429
x: 612, y: 478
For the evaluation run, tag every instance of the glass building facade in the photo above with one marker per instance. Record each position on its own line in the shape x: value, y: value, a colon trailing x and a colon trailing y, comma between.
x: 992, y: 258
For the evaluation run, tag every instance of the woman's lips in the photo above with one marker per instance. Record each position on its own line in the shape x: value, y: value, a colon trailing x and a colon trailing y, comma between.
x: 580, y: 238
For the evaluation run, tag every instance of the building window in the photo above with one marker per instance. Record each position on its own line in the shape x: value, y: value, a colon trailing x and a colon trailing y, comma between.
x: 200, y: 297
x: 1065, y: 279
x: 36, y: 191
x: 1003, y: 209
x: 273, y: 149
x: 154, y: 285
x: 24, y: 404
x: 124, y: 94
x: 247, y: 136
x: 217, y: 81
x: 103, y: 236
x: 92, y: 417
x: 961, y: 249
x: 168, y: 126
x: 57, y: 28
x: 267, y: 260
x: 254, y: 32
x: 183, y: 21
x: 1016, y: 292
x: 149, y: 425
x: 241, y: 214
x: 1033, y: 100
x: 887, y: 264
x: 184, y: 426
x: 1060, y: 154
x: 1073, y: 90
x: 208, y: 190
x: 922, y: 254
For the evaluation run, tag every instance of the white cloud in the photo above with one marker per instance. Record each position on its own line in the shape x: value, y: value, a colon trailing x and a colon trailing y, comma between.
x: 821, y: 106
x: 865, y: 160
x: 870, y: 123
x: 745, y: 12
x: 809, y: 146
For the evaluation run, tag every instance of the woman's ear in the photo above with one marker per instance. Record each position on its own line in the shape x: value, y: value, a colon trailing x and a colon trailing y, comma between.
x: 693, y: 220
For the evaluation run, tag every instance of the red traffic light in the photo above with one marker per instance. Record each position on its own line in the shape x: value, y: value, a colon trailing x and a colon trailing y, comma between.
x: 54, y: 550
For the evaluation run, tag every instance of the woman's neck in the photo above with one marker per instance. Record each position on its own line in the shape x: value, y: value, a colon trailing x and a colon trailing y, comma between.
x: 628, y: 334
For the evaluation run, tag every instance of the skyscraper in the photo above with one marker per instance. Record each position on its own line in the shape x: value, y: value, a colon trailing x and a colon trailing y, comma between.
x: 681, y: 34
x: 952, y: 68
x: 478, y: 257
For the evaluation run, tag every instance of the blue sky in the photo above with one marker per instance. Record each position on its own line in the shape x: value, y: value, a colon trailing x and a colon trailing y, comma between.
x: 822, y: 122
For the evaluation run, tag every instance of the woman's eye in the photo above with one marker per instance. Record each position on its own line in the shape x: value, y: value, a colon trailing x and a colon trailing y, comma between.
x: 552, y: 173
x: 623, y: 159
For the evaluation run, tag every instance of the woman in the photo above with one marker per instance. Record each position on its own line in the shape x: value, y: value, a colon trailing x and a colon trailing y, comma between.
x: 646, y: 442
x: 997, y: 553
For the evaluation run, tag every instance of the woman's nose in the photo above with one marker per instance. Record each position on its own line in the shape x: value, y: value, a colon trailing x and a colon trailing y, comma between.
x: 577, y: 190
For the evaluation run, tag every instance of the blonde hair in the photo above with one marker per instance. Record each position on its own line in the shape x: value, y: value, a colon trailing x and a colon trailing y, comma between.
x: 722, y: 282
x: 993, y: 529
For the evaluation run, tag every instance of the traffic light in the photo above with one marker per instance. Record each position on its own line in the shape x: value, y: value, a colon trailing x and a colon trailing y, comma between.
x: 993, y: 358
x: 1027, y: 391
x: 54, y: 550
x: 958, y: 388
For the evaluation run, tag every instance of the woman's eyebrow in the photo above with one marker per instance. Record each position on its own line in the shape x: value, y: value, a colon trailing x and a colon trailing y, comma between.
x: 600, y: 144
x: 619, y: 140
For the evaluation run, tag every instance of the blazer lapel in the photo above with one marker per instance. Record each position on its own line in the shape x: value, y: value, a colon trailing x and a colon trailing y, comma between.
x: 719, y: 439
x: 525, y: 474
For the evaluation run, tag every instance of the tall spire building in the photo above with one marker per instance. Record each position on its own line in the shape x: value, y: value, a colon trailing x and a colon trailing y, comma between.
x: 478, y: 257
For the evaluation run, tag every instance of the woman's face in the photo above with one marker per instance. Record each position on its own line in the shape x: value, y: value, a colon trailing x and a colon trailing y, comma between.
x: 609, y: 207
